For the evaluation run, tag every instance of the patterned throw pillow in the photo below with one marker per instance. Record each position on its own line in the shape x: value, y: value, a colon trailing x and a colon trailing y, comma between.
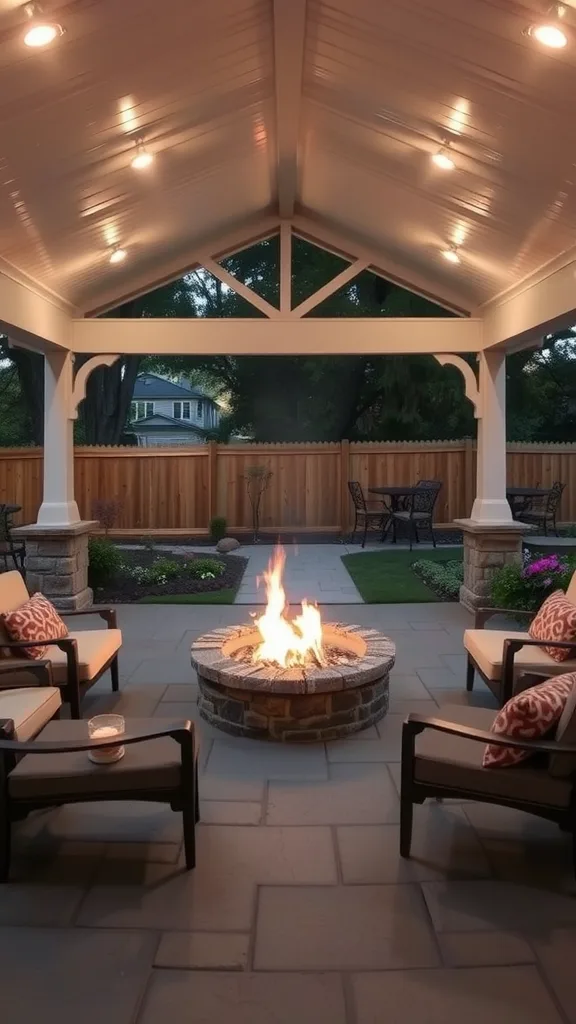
x: 556, y: 620
x: 37, y: 619
x: 530, y: 715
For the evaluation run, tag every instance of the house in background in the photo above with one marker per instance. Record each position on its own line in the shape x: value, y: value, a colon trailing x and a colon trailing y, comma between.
x: 165, y: 413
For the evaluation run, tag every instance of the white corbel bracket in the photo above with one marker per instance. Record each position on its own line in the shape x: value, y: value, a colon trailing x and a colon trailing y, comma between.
x: 471, y: 389
x: 81, y: 380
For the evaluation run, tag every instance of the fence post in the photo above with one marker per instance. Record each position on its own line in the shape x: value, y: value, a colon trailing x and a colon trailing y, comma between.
x: 212, y: 480
x: 344, y: 493
x: 469, y: 477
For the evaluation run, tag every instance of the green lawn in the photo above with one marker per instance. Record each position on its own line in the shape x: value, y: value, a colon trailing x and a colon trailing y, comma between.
x: 210, y: 597
x: 385, y: 577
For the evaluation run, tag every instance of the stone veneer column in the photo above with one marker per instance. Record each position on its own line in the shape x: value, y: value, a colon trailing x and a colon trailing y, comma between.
x: 57, y: 562
x: 487, y: 548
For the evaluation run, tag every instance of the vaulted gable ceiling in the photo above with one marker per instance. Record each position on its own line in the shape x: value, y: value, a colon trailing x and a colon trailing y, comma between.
x: 255, y: 109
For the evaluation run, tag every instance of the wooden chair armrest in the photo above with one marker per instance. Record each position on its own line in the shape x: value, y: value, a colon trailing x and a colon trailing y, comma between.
x: 415, y: 724
x: 41, y: 668
x: 108, y: 614
x: 483, y: 614
x: 511, y: 647
x: 180, y: 732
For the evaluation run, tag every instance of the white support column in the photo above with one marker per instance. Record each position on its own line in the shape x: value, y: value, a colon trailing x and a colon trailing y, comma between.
x: 58, y: 506
x: 491, y: 506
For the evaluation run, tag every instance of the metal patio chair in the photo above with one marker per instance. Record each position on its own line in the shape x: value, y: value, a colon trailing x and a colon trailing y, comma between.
x: 365, y: 514
x: 419, y: 512
x: 542, y: 511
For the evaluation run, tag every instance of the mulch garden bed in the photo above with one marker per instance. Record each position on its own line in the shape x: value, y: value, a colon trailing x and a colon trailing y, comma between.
x: 124, y: 589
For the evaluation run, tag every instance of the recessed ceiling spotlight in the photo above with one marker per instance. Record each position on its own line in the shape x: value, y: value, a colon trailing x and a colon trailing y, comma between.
x: 142, y: 158
x: 451, y: 254
x: 40, y: 31
x: 443, y: 159
x: 550, y: 31
x: 118, y: 254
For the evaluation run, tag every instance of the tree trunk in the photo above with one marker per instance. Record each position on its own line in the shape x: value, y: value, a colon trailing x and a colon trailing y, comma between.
x: 109, y: 390
x: 30, y: 367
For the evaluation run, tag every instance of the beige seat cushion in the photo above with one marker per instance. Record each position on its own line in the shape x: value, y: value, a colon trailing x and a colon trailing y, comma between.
x: 486, y: 646
x: 152, y: 764
x: 30, y: 708
x: 95, y: 648
x: 445, y: 760
x: 13, y: 594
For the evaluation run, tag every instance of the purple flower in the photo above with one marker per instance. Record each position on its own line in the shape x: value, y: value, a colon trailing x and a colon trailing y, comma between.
x: 545, y: 565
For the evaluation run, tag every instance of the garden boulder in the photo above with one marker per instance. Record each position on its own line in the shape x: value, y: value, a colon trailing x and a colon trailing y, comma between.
x: 226, y: 545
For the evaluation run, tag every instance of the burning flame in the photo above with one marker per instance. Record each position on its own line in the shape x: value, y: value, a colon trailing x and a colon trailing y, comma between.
x: 284, y: 642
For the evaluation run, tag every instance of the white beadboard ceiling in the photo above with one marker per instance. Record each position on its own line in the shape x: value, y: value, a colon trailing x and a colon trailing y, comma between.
x: 217, y: 96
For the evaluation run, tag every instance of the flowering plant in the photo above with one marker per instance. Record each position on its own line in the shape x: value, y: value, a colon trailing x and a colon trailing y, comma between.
x: 527, y: 585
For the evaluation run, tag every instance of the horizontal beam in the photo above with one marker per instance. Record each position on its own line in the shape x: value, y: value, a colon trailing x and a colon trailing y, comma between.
x: 542, y: 303
x: 31, y: 315
x: 340, y: 336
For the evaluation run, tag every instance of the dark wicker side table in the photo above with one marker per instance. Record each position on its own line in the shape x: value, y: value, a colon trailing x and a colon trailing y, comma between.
x: 160, y: 765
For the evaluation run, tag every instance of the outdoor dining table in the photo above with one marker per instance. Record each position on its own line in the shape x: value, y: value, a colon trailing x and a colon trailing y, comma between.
x: 395, y: 494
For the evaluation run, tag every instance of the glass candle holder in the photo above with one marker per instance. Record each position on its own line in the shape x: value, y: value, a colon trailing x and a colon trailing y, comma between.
x: 105, y: 727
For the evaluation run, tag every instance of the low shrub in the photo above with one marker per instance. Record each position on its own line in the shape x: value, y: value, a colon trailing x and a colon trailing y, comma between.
x: 218, y: 527
x: 104, y: 561
x: 205, y: 568
x: 162, y: 570
x: 527, y: 585
x: 444, y: 578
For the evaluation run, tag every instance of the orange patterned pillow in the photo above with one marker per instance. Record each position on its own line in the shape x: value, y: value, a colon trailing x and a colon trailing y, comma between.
x: 36, y: 619
x: 530, y: 715
x: 556, y: 620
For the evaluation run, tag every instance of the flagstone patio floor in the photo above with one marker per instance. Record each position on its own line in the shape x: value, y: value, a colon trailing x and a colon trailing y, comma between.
x: 300, y: 909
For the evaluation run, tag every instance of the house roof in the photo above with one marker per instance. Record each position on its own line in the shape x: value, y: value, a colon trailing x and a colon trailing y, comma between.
x: 150, y: 386
x: 160, y: 422
x: 325, y: 110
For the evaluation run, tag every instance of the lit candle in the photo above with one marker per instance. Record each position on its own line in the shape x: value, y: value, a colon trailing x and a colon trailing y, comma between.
x: 102, y: 727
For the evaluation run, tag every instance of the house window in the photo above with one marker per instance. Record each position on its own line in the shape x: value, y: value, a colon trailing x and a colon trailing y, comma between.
x: 200, y: 409
x: 141, y: 410
x: 181, y: 410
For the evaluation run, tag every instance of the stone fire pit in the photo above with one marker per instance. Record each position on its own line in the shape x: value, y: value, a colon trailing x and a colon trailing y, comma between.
x: 263, y: 701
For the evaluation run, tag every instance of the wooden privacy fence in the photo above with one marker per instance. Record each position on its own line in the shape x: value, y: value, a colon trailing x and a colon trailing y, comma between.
x: 178, y: 490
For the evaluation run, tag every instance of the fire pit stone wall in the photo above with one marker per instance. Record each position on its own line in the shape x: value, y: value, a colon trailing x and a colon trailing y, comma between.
x: 302, y: 704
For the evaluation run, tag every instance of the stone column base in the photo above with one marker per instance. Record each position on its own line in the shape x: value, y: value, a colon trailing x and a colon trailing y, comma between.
x: 57, y: 563
x: 487, y: 548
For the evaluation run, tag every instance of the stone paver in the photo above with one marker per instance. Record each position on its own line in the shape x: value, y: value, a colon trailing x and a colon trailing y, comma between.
x: 355, y: 794
x: 69, y: 975
x: 222, y: 951
x: 313, y: 571
x: 484, y: 949
x: 298, y: 881
x: 219, y: 894
x: 501, y: 995
x: 217, y: 998
x: 348, y: 928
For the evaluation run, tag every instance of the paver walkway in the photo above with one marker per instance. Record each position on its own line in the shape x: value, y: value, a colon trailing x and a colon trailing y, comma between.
x: 300, y: 908
x: 313, y: 571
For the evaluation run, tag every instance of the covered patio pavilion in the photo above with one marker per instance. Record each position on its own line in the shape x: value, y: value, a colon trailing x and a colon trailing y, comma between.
x: 266, y: 116
x: 321, y: 120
